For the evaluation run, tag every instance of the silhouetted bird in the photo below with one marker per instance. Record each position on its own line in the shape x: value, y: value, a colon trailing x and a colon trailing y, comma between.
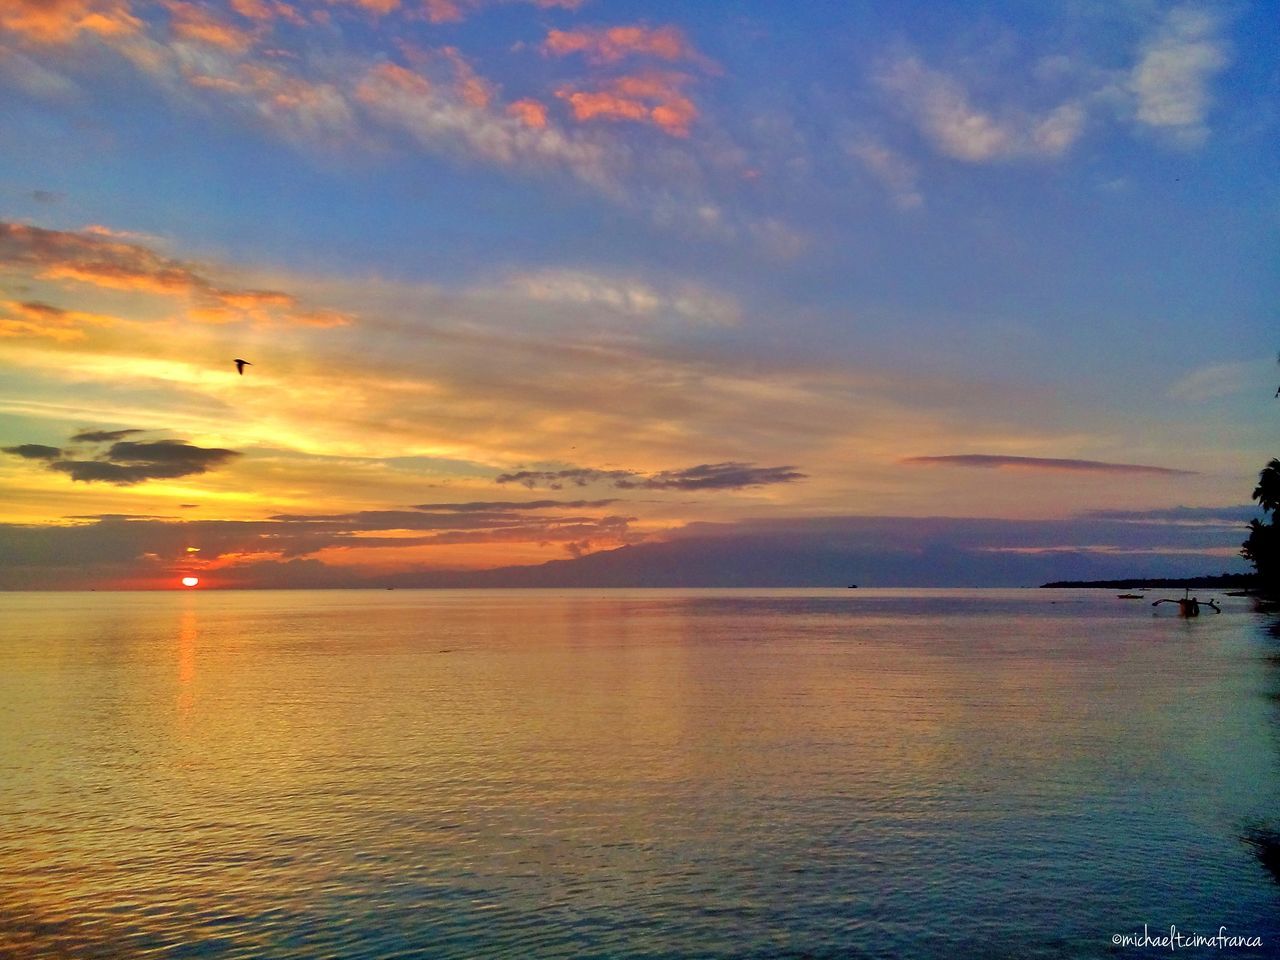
x: 241, y: 364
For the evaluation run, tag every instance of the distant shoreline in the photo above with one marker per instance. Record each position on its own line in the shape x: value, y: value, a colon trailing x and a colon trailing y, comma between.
x: 1236, y: 581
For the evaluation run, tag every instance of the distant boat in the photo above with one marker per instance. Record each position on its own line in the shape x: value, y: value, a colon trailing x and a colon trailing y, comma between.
x: 1129, y: 596
x: 853, y: 586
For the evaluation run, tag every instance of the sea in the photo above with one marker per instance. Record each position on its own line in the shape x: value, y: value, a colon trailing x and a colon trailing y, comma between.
x: 637, y: 774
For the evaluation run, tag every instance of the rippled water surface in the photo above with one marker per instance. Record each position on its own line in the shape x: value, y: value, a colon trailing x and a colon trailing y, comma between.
x: 631, y: 774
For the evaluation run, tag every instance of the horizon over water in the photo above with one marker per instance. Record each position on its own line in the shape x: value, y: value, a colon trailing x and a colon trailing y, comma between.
x: 650, y: 773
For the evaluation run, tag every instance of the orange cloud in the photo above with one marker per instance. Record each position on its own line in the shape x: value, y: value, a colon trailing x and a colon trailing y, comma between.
x: 114, y: 264
x: 390, y: 77
x: 376, y: 7
x: 221, y: 84
x: 194, y: 23
x: 264, y: 11
x: 653, y: 97
x: 31, y: 318
x: 531, y: 113
x: 254, y: 9
x: 590, y: 106
x: 613, y: 44
x: 61, y: 21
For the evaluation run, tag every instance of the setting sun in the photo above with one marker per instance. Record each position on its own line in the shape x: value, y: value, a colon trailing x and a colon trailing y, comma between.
x: 190, y: 581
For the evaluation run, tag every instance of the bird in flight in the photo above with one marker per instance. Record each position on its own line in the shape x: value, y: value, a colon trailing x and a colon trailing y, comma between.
x: 241, y: 364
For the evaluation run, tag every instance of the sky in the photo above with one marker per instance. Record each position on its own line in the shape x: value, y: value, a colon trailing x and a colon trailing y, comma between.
x: 576, y: 292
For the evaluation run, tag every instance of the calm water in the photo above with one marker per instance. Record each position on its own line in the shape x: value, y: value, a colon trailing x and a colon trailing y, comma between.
x: 631, y: 774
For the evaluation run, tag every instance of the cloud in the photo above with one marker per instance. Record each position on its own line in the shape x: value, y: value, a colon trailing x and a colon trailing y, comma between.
x: 46, y: 196
x: 1221, y: 380
x: 609, y: 45
x: 707, y: 476
x: 116, y: 548
x: 103, y: 231
x: 302, y: 109
x: 196, y: 23
x: 130, y: 462
x: 897, y: 551
x: 898, y: 174
x: 491, y: 506
x: 107, y: 261
x: 447, y: 11
x: 627, y: 297
x: 990, y: 461
x: 813, y: 551
x: 303, y: 534
x: 126, y: 462
x: 942, y: 111
x: 376, y: 7
x: 267, y: 10
x: 454, y: 11
x: 438, y: 118
x: 233, y: 60
x: 1171, y: 80
x: 34, y: 451
x: 61, y: 21
x: 1234, y: 516
x: 443, y: 11
x: 532, y: 113
x: 35, y: 318
x: 653, y: 97
x: 103, y: 436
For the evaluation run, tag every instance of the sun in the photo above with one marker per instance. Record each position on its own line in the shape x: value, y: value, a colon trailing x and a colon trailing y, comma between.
x: 190, y: 581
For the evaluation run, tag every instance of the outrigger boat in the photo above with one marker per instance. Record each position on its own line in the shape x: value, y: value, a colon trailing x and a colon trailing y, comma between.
x: 1189, y: 606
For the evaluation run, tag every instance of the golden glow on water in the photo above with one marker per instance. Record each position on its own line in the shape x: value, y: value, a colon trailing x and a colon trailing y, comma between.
x: 699, y: 773
x: 188, y: 637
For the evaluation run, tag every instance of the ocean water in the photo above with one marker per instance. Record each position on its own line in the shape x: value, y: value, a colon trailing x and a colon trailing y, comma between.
x: 711, y: 774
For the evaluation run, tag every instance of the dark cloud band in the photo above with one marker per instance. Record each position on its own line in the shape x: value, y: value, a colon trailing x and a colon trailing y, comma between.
x: 991, y: 461
x: 125, y: 462
x: 34, y: 451
x: 706, y: 476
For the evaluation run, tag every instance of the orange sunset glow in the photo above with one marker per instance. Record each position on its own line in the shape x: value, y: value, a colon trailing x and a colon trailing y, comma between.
x: 549, y: 291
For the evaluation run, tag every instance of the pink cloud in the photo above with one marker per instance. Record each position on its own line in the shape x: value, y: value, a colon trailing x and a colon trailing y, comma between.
x: 612, y: 44
x: 532, y: 113
x: 443, y: 11
x: 472, y: 88
x: 652, y: 97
